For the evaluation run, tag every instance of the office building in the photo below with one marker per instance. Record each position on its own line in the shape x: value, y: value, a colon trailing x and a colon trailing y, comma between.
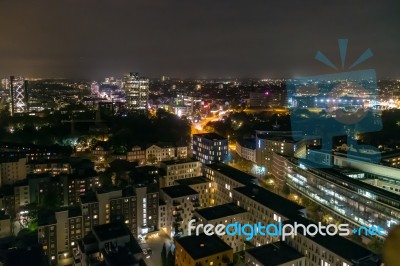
x: 18, y: 95
x: 209, y: 147
x: 136, y: 92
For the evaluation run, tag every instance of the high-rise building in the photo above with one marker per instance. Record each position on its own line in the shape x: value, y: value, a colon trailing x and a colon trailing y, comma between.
x: 209, y: 147
x: 136, y: 91
x: 19, y: 95
x: 4, y: 89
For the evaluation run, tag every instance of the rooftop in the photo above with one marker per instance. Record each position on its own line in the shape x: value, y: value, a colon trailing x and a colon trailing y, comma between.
x: 274, y: 254
x: 210, y: 136
x: 179, y: 161
x: 193, y: 181
x: 109, y: 231
x: 202, y: 246
x: 270, y: 200
x: 247, y: 143
x: 336, y: 244
x: 89, y: 197
x: 179, y: 191
x: 233, y: 173
x: 220, y: 211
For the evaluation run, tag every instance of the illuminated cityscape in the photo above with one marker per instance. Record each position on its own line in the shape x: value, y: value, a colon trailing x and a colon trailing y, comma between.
x: 212, y: 133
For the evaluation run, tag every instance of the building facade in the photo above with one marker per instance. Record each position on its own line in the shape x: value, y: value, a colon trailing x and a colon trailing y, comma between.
x: 136, y: 92
x: 209, y: 147
x: 173, y: 170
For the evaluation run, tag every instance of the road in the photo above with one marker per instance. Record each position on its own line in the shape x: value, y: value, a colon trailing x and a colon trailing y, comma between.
x: 198, y: 128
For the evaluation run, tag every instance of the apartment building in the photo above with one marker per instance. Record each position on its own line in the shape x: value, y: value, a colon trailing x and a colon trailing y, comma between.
x: 12, y: 169
x: 329, y: 250
x: 109, y: 244
x: 136, y: 154
x: 53, y: 166
x: 181, y: 202
x: 173, y: 170
x: 21, y: 195
x: 205, y: 187
x: 226, y: 178
x: 58, y: 232
x: 202, y: 250
x: 224, y: 214
x: 165, y: 151
x: 78, y: 185
x: 266, y: 207
x: 136, y: 206
x: 277, y: 253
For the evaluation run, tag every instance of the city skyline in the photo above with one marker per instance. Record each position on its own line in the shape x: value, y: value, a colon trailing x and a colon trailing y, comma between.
x: 93, y: 39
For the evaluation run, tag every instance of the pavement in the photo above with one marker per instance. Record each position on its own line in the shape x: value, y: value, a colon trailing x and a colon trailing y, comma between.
x: 156, y: 244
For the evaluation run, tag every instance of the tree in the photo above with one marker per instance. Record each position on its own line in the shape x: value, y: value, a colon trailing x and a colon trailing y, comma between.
x: 151, y: 158
x: 164, y: 256
x: 106, y: 179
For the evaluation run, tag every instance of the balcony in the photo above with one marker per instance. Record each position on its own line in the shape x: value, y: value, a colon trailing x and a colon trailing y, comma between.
x: 195, y: 199
x: 176, y: 203
x: 178, y: 219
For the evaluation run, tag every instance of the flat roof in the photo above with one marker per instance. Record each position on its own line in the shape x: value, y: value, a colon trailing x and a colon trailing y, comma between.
x: 232, y: 173
x: 270, y: 200
x: 179, y: 161
x: 210, y: 136
x: 276, y: 253
x: 193, y: 180
x: 339, y: 245
x: 202, y: 245
x: 247, y: 143
x: 334, y: 175
x: 179, y: 191
x: 110, y: 231
x: 89, y: 197
x: 220, y: 211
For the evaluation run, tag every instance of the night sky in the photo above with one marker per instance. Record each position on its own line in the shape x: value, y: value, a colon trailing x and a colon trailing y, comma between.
x: 194, y: 38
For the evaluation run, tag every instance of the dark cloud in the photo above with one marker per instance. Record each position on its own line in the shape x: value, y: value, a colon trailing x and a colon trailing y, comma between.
x: 258, y: 38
